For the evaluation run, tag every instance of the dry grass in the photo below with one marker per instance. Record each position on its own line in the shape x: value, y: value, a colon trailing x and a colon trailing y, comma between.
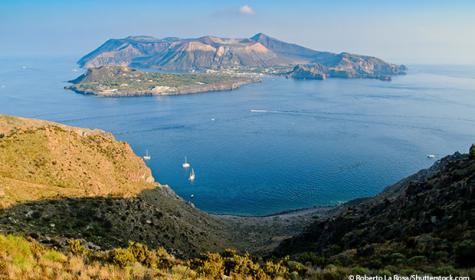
x: 23, y: 259
x: 26, y: 259
x: 40, y: 160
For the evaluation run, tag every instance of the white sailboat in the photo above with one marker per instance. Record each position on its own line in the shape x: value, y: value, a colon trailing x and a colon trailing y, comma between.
x: 147, y: 156
x: 186, y: 164
x: 192, y: 175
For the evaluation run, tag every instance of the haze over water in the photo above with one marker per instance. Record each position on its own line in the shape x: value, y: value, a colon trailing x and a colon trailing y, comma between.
x: 273, y: 146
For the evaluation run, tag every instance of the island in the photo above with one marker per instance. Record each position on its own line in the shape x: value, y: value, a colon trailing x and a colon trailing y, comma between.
x: 258, y: 54
x: 125, y: 81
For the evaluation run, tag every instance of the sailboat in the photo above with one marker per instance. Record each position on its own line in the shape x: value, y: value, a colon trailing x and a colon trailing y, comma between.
x: 192, y: 175
x: 186, y: 164
x: 147, y: 156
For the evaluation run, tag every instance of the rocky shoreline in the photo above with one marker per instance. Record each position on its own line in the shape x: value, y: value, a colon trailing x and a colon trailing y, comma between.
x: 171, y: 92
x: 121, y: 81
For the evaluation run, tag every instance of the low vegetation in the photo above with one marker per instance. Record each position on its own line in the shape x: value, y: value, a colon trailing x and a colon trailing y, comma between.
x: 125, y: 81
x: 40, y: 160
x: 27, y: 259
x: 77, y: 204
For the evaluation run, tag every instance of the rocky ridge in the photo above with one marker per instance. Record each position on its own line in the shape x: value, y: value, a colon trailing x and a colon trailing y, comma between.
x: 260, y: 53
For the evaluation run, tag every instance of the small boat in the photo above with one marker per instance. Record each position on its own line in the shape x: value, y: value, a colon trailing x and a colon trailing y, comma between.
x: 192, y: 175
x: 430, y: 156
x: 192, y: 195
x: 186, y: 164
x: 147, y: 156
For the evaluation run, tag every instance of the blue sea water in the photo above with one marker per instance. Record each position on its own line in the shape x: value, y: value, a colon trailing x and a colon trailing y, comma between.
x: 272, y: 146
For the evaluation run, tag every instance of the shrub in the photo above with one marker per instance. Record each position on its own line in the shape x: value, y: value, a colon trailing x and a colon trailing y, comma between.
x: 465, y: 253
x: 122, y: 257
x: 18, y: 249
x: 312, y: 258
x: 142, y: 254
x: 297, y: 267
x: 294, y: 275
x: 275, y: 269
x: 472, y: 151
x: 212, y: 266
x: 54, y: 256
x: 76, y: 247
x: 165, y: 260
x: 360, y: 270
x: 397, y: 258
x: 417, y: 260
x: 445, y: 270
x: 385, y: 272
x: 332, y: 272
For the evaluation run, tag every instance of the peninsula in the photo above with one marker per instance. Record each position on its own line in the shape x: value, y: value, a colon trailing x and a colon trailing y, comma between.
x: 125, y: 81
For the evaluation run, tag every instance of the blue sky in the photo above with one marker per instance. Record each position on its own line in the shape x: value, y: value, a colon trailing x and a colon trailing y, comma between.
x: 431, y: 32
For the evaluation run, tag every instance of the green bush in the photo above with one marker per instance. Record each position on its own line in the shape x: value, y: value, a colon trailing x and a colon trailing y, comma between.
x: 76, y: 247
x: 212, y: 265
x: 54, y: 256
x: 397, y: 258
x: 465, y: 253
x: 141, y: 253
x: 417, y: 260
x: 445, y: 271
x: 275, y: 269
x: 360, y: 270
x: 407, y: 271
x: 472, y: 151
x: 297, y: 267
x: 122, y: 257
x: 312, y: 258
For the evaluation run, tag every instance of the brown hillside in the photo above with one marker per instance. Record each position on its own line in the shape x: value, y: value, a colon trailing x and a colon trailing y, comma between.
x: 40, y: 159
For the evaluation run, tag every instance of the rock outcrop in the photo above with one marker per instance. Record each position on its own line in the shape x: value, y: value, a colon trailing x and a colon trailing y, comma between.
x: 430, y: 214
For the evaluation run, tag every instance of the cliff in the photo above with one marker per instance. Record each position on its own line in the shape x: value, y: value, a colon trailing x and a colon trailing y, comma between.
x: 429, y: 216
x: 59, y: 182
x: 78, y: 197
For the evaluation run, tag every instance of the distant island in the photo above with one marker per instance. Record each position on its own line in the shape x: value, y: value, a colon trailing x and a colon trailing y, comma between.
x: 124, y: 81
x: 258, y: 54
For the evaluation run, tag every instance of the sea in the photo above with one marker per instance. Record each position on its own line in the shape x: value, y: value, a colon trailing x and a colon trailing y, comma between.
x: 272, y: 146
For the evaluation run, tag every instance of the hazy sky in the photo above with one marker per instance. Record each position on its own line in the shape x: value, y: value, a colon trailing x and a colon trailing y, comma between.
x: 432, y: 32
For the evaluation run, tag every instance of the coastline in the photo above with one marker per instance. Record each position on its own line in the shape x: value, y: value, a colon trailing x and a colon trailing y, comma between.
x: 117, y: 81
x: 183, y: 91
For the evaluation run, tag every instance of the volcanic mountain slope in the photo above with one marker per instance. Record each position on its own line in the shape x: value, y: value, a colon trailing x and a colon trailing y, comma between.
x: 259, y: 53
x: 428, y: 217
x: 59, y: 182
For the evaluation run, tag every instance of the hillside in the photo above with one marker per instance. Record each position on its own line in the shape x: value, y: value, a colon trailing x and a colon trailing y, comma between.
x: 41, y: 160
x: 125, y: 81
x: 428, y: 218
x: 259, y: 53
x: 77, y: 202
x: 59, y: 182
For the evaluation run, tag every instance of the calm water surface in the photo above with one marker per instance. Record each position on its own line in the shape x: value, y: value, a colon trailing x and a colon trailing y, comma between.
x: 310, y: 142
